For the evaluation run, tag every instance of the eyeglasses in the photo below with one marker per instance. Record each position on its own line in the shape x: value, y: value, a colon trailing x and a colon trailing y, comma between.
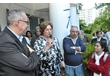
x: 25, y: 22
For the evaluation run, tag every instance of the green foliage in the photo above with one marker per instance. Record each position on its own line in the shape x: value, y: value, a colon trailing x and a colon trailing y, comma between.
x: 89, y: 49
x: 89, y: 36
x: 41, y: 20
x: 87, y: 30
x: 103, y: 21
x: 80, y: 6
x: 82, y: 24
x: 99, y: 5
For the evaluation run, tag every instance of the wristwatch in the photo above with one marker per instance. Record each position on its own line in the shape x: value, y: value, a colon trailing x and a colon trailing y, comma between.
x: 73, y: 47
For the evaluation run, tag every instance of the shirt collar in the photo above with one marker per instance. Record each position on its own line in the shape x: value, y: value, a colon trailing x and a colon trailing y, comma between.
x: 19, y: 37
x: 98, y: 39
x: 98, y: 56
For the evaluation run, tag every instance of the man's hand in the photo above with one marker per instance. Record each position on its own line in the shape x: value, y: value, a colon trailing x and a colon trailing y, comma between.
x: 79, y: 52
x: 74, y: 47
x: 24, y: 55
x: 77, y: 48
x: 30, y: 49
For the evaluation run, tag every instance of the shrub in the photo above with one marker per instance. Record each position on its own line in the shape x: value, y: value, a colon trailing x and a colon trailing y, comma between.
x: 89, y: 49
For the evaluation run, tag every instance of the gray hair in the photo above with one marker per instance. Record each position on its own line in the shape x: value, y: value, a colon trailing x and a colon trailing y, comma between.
x: 37, y: 27
x: 14, y: 15
x: 74, y: 27
x: 81, y: 32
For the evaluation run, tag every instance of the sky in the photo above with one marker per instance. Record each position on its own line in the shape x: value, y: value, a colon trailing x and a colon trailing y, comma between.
x: 88, y: 6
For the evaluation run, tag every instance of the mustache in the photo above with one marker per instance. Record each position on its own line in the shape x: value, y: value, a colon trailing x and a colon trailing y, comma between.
x: 74, y: 34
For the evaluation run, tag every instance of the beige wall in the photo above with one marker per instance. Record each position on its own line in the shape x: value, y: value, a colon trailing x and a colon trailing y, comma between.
x: 29, y: 8
x: 3, y: 15
x: 37, y: 6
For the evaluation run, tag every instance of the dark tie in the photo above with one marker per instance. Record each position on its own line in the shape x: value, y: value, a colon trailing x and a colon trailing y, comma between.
x: 24, y: 41
x: 24, y: 46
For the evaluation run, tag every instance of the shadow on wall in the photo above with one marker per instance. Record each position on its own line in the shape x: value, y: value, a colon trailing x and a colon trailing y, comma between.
x: 0, y: 28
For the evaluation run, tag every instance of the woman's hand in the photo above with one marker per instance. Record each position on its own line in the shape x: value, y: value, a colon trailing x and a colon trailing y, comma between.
x: 62, y: 63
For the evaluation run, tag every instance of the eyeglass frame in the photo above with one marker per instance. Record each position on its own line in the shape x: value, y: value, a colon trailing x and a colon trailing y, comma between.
x: 25, y: 21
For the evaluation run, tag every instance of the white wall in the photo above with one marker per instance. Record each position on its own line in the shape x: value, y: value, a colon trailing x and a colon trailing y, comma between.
x: 29, y: 8
x: 74, y: 20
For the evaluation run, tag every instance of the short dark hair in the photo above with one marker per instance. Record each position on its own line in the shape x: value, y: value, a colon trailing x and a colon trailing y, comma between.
x: 98, y: 32
x: 27, y: 33
x: 103, y: 45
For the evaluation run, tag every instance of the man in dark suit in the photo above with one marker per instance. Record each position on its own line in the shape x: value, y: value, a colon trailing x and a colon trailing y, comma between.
x: 16, y: 57
x: 99, y: 38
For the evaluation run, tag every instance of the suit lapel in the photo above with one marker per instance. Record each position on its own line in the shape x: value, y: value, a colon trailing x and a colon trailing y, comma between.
x: 24, y: 42
x: 18, y: 43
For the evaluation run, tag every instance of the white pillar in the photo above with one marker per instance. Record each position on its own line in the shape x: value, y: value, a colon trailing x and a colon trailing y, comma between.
x: 77, y: 19
x: 60, y: 18
x: 74, y: 20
